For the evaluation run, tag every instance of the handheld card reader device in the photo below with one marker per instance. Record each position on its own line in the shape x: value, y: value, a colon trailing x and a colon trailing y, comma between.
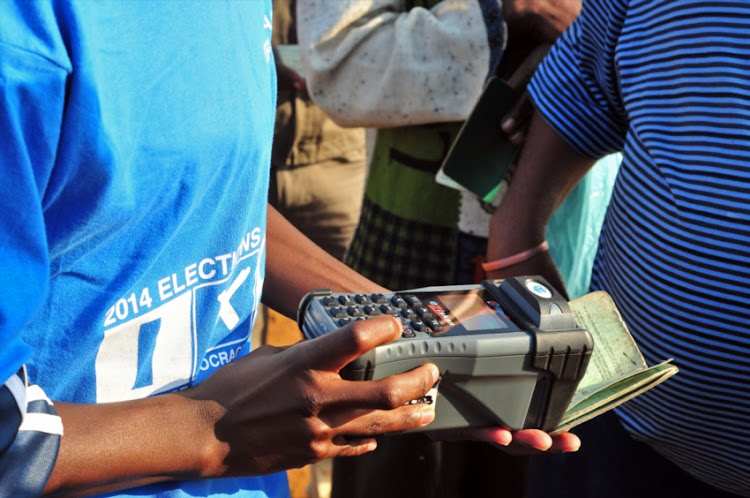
x: 509, y: 351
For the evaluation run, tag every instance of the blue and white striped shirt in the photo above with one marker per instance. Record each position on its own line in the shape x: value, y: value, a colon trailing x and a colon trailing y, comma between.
x: 668, y: 82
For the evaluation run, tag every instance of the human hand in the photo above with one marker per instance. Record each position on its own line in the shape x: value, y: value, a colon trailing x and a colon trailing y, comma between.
x: 281, y: 408
x: 518, y: 443
x: 516, y: 121
x: 542, y: 20
x: 533, y: 26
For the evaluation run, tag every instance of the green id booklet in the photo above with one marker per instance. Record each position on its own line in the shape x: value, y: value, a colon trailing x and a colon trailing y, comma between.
x: 481, y: 154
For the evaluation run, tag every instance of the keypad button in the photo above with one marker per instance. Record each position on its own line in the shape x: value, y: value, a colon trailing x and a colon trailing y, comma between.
x: 423, y: 312
x: 433, y: 324
x: 345, y: 300
x: 378, y: 298
x: 418, y: 325
x: 354, y: 311
x: 408, y: 333
x: 408, y: 313
x: 371, y: 310
x: 337, y: 312
x: 412, y: 300
x: 398, y: 302
x: 329, y: 301
x: 362, y: 299
x: 384, y: 308
x: 343, y: 321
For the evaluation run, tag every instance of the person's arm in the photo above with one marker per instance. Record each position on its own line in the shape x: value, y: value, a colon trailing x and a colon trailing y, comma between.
x: 547, y: 171
x: 534, y: 25
x: 376, y: 64
x: 302, y: 266
x: 295, y: 265
x: 118, y: 445
x: 219, y: 428
x: 277, y: 408
x: 579, y: 118
x: 222, y: 428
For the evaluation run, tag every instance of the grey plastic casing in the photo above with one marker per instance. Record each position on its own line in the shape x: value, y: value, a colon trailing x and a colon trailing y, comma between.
x: 520, y: 374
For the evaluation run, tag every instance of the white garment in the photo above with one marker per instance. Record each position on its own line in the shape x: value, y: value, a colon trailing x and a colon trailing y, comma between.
x: 376, y: 64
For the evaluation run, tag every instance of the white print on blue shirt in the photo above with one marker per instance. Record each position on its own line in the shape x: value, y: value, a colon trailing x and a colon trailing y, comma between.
x: 181, y: 326
x: 267, y: 47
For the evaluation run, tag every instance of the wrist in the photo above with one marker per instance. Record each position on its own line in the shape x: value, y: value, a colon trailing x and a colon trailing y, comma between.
x: 209, y: 452
x: 514, y: 259
x: 112, y: 446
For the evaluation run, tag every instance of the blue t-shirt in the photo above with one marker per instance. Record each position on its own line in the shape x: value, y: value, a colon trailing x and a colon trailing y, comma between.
x: 668, y: 82
x: 136, y: 141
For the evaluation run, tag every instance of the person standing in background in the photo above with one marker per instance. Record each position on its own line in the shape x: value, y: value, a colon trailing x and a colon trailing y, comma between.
x: 667, y: 82
x: 135, y: 243
x: 317, y: 167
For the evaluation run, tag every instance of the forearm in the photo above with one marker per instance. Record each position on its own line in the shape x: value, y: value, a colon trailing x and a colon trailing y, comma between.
x: 547, y: 171
x: 376, y: 64
x: 295, y: 266
x: 251, y: 417
x: 112, y: 446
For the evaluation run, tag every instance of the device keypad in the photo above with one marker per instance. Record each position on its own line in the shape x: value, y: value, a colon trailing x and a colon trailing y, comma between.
x: 414, y: 317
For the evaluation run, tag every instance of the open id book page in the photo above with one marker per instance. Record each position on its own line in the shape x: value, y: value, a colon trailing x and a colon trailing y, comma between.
x: 616, y: 371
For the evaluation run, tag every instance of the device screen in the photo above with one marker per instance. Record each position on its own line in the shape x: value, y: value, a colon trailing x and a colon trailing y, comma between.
x: 468, y: 311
